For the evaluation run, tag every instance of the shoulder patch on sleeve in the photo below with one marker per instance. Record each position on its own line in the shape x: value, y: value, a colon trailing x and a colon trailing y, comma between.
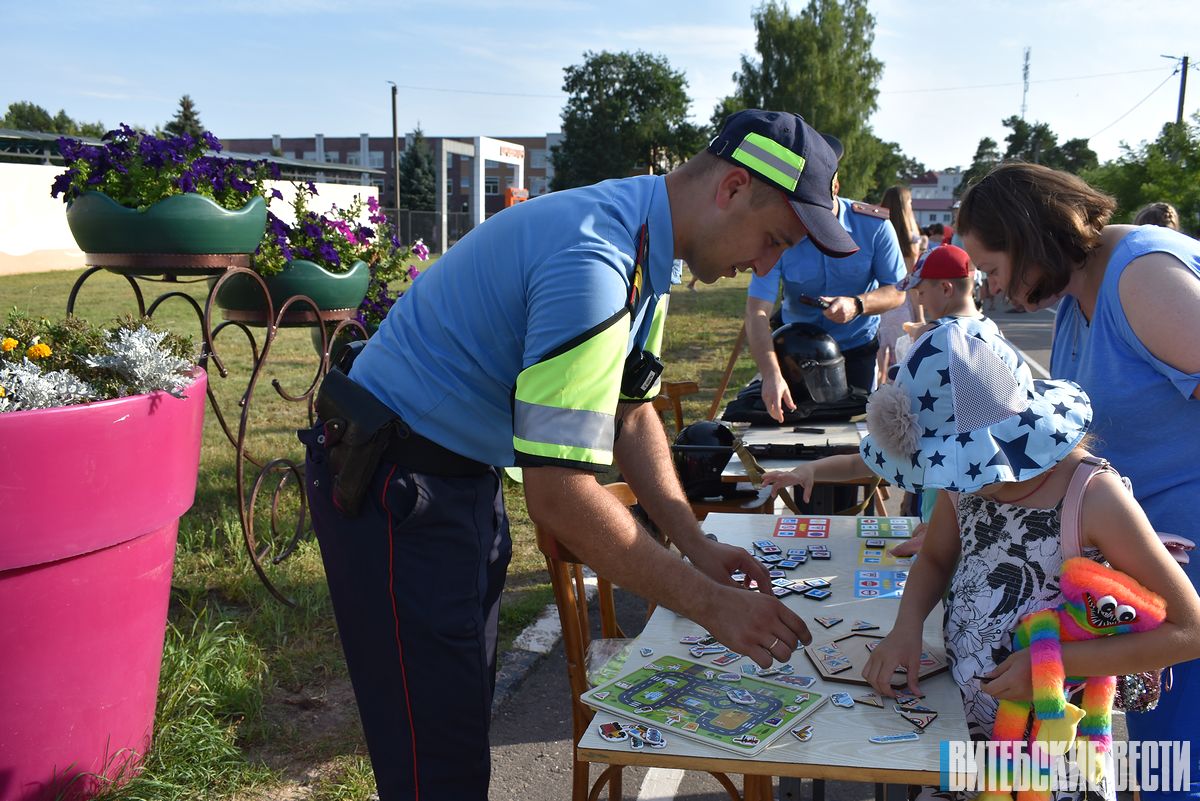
x: 869, y: 210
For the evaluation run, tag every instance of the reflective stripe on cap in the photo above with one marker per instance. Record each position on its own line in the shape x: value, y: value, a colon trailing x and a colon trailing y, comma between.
x: 771, y: 160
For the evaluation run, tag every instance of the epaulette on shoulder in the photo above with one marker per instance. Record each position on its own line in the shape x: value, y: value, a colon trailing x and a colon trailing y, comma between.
x: 870, y: 211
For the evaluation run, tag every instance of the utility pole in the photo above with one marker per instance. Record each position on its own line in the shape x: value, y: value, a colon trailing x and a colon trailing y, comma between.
x: 1025, y: 78
x: 1183, y: 71
x: 1182, y: 91
x: 395, y: 153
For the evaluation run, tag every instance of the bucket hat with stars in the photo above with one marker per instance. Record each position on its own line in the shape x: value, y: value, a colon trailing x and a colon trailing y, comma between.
x: 964, y: 412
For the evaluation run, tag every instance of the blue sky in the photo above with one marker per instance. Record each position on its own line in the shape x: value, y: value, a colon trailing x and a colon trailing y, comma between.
x: 494, y: 67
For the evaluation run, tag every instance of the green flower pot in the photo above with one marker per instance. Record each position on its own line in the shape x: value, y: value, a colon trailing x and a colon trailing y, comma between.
x: 328, y: 290
x: 188, y: 224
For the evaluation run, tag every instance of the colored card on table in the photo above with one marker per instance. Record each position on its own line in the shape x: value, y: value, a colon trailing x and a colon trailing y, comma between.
x: 886, y: 527
x: 811, y: 527
x: 877, y: 583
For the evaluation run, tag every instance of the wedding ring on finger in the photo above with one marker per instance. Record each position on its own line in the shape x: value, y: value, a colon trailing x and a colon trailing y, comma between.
x: 773, y: 644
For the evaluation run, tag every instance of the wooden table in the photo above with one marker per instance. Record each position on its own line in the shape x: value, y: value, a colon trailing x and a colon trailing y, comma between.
x: 839, y: 748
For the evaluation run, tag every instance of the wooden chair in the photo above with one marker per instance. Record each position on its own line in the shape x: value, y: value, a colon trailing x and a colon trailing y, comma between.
x: 670, y: 398
x: 567, y: 580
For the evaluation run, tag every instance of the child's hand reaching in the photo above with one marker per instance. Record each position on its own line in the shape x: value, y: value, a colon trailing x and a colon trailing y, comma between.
x: 911, y: 545
x: 1011, y: 680
x: 901, y: 648
x: 779, y: 479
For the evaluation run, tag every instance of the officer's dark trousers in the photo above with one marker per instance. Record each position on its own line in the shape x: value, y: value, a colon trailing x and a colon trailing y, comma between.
x: 861, y: 365
x: 415, y: 581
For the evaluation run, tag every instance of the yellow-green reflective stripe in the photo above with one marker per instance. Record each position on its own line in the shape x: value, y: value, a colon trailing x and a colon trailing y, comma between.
x: 574, y: 454
x: 771, y: 160
x: 586, y: 377
x: 572, y: 427
x: 654, y: 339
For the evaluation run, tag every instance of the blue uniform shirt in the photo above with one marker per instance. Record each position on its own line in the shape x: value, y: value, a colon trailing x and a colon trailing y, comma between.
x: 805, y: 270
x: 538, y: 294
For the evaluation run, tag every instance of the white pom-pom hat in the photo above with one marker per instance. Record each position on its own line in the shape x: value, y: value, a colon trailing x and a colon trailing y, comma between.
x: 964, y: 412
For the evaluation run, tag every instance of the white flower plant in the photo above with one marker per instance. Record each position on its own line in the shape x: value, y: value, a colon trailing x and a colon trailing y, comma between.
x: 46, y: 364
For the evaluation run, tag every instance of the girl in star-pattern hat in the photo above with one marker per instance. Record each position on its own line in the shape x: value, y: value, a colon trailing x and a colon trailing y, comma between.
x: 965, y: 415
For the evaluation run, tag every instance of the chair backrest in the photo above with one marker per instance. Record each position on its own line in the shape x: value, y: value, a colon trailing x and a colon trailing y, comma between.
x: 570, y: 596
x: 669, y: 400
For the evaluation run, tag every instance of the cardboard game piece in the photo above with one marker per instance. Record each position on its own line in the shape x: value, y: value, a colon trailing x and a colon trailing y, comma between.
x: 843, y: 658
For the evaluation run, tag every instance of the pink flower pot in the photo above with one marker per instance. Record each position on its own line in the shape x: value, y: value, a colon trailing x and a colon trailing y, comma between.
x: 91, y: 497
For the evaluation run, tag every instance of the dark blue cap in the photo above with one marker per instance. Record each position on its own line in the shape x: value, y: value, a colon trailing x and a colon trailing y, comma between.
x: 782, y: 149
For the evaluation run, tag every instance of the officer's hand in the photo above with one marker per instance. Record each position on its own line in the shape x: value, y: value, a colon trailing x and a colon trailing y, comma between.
x: 841, y: 309
x: 756, y: 625
x: 776, y: 396
x: 718, y: 561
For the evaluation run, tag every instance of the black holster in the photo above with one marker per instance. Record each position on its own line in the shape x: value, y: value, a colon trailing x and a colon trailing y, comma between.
x: 358, y: 428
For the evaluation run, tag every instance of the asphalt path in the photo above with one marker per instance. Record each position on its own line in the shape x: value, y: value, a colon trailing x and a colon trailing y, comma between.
x: 531, y: 727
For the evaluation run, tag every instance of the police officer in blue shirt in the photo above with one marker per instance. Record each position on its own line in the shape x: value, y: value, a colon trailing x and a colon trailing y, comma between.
x: 534, y: 342
x: 854, y: 290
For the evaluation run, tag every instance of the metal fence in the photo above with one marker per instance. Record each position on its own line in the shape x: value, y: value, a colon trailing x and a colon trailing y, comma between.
x: 426, y: 225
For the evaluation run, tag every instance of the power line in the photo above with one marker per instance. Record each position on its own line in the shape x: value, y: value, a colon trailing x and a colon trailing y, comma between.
x: 1140, y: 102
x: 892, y: 92
x: 1018, y: 83
x: 475, y: 92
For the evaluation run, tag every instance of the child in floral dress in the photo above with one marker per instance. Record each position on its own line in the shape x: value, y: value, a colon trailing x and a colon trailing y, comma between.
x: 965, y: 414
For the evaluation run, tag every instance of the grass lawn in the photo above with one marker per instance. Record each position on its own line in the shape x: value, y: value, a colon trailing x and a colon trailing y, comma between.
x: 253, y: 693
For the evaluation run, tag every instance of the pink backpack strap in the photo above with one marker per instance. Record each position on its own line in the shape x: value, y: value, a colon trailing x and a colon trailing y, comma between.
x: 1072, y: 508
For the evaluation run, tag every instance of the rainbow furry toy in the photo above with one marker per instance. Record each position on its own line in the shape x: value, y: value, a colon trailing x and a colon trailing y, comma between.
x: 1097, y: 602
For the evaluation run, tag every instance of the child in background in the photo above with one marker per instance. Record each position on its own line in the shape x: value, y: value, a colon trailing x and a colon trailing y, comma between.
x: 943, y: 284
x: 942, y: 281
x: 966, y: 415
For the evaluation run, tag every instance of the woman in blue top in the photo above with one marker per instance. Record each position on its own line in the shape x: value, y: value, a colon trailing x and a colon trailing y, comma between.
x: 1127, y: 331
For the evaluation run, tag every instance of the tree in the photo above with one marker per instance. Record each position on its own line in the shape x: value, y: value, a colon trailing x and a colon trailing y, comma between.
x: 25, y: 116
x: 1076, y: 157
x: 1167, y: 169
x: 625, y: 113
x: 891, y: 168
x: 1033, y: 142
x: 418, y: 175
x: 819, y: 65
x: 186, y: 119
x: 987, y: 156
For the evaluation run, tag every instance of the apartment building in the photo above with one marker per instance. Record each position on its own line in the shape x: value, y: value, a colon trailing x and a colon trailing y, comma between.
x: 933, y: 196
x: 376, y: 152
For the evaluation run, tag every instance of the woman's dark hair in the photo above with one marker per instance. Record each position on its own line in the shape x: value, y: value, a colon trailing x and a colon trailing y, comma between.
x: 1047, y: 222
x: 898, y: 201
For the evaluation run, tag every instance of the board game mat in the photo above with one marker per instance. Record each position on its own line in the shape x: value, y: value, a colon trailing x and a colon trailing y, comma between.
x: 688, y: 699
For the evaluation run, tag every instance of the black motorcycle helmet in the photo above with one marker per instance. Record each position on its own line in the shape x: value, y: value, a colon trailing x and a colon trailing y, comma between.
x: 811, y: 363
x: 701, y: 451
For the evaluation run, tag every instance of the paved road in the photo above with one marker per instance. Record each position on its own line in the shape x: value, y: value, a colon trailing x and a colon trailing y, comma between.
x: 1031, y: 332
x: 531, y: 731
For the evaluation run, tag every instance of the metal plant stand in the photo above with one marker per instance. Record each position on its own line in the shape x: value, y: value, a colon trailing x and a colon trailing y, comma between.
x: 273, y: 475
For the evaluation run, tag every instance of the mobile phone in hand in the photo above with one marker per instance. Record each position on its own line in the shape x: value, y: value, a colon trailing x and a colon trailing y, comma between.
x: 809, y: 300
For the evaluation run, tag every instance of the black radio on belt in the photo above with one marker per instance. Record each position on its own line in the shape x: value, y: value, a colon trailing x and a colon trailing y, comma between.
x: 642, y: 370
